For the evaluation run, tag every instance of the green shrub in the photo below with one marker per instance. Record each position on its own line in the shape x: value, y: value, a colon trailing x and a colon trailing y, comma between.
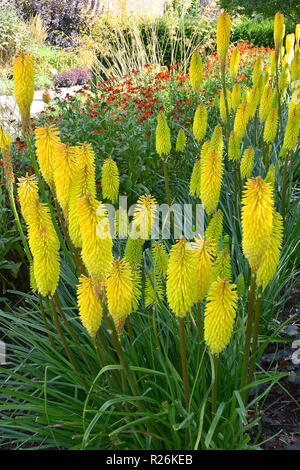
x: 258, y: 32
x: 290, y: 8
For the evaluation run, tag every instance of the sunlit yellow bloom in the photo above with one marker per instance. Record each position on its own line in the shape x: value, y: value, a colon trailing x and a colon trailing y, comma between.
x: 195, y: 183
x: 200, y: 122
x: 223, y: 113
x: 122, y: 223
x: 214, y: 228
x: 181, y: 278
x: 234, y: 147
x: 271, y: 126
x: 292, y: 130
x: 297, y: 34
x: 295, y: 67
x: 204, y: 250
x: 196, y: 71
x: 163, y: 135
x: 46, y: 142
x: 97, y: 243
x: 144, y: 215
x: 236, y: 96
x: 181, y: 140
x: 222, y: 266
x: 219, y: 316
x: 269, y: 263
x: 247, y: 163
x: 110, y: 180
x: 27, y: 193
x: 90, y: 310
x: 223, y: 36
x: 211, y: 180
x: 257, y: 220
x: 160, y: 258
x: 23, y: 74
x: 64, y: 170
x: 5, y: 139
x: 234, y: 63
x: 216, y: 141
x: 278, y: 30
x: 241, y: 119
x: 44, y: 246
x: 120, y: 292
x: 257, y: 71
x: 284, y: 79
x: 273, y: 64
x: 253, y: 101
x: 265, y: 103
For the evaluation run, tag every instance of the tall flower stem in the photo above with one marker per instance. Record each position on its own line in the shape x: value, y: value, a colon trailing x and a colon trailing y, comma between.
x: 65, y: 344
x: 248, y: 331
x: 46, y: 322
x: 255, y: 339
x: 17, y: 219
x: 215, y: 387
x: 284, y: 185
x: 278, y: 90
x: 184, y: 362
x: 168, y: 192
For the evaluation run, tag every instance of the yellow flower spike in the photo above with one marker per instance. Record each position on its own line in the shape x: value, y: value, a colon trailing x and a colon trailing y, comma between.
x: 110, y: 180
x: 247, y: 163
x: 297, y: 34
x: 211, y: 180
x: 196, y: 71
x: 160, y: 258
x: 44, y: 246
x: 153, y: 289
x: 270, y: 177
x: 223, y: 36
x: 289, y: 43
x: 137, y: 288
x: 144, y: 215
x: 5, y: 140
x: 234, y: 63
x: 64, y: 170
x: 284, y: 79
x: 82, y: 184
x: 236, y: 96
x: 257, y: 220
x: 273, y: 64
x: 27, y: 193
x: 38, y: 218
x: 275, y: 98
x: 295, y: 67
x: 269, y: 263
x: 223, y: 105
x: 292, y: 130
x: 200, y: 122
x: 271, y: 126
x: 279, y: 30
x: 253, y: 101
x: 90, y: 310
x: 181, y: 278
x: 23, y: 74
x: 46, y: 142
x: 204, y: 250
x: 97, y: 243
x: 163, y: 136
x: 257, y: 71
x: 222, y: 266
x: 134, y: 251
x: 122, y: 223
x: 214, y: 228
x: 234, y: 147
x: 181, y: 140
x: 216, y: 141
x: 241, y: 119
x: 265, y: 103
x: 219, y: 315
x: 195, y: 182
x: 33, y: 285
x: 119, y: 292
